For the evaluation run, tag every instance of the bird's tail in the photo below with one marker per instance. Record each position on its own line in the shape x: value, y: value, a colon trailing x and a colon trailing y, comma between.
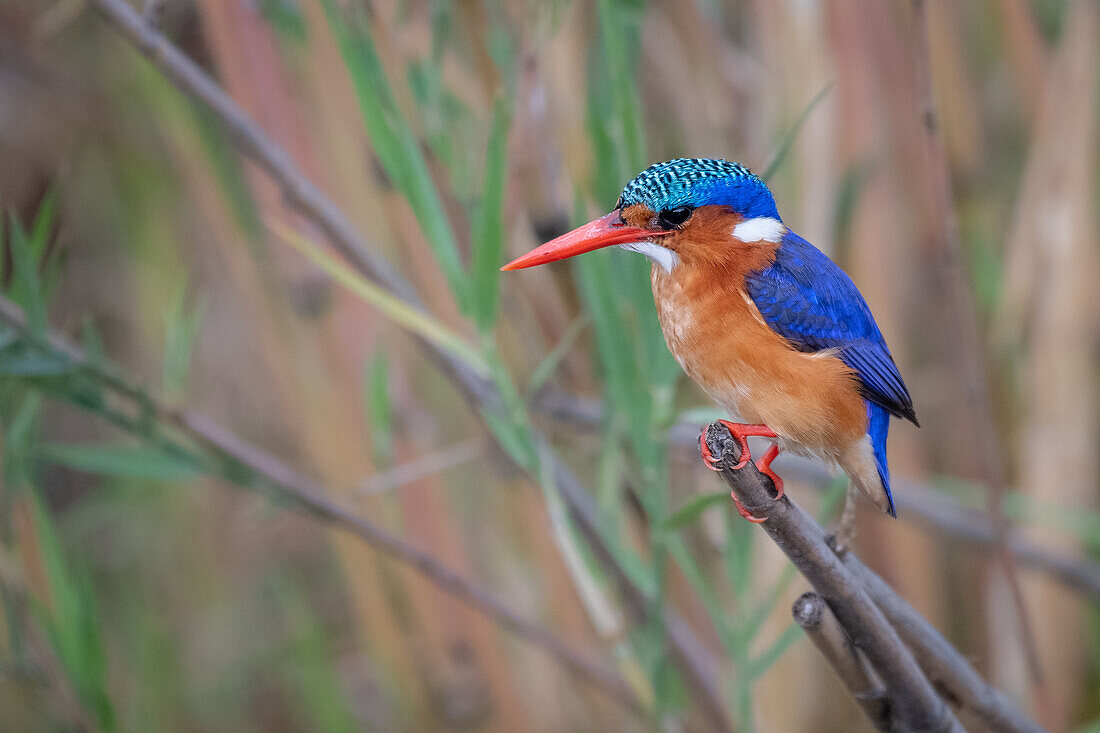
x: 878, y: 426
x: 865, y: 461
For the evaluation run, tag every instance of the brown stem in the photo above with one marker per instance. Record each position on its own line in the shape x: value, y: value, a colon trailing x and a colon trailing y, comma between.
x: 948, y: 670
x: 812, y: 613
x: 914, y: 704
x: 906, y: 652
x: 917, y: 502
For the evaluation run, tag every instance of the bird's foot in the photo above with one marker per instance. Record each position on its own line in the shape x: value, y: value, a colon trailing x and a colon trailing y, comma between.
x: 764, y: 465
x: 745, y: 512
x: 741, y: 432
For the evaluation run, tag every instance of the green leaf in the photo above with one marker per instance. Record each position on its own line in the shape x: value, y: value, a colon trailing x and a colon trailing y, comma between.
x: 791, y: 135
x: 619, y: 32
x: 691, y: 511
x: 286, y: 18
x: 672, y: 694
x: 775, y: 652
x: 550, y: 362
x: 397, y: 147
x: 313, y: 679
x: 70, y: 619
x: 8, y: 336
x: 488, y: 226
x: 25, y: 287
x: 22, y: 359
x: 379, y: 408
x: 181, y: 328
x: 405, y: 315
x: 20, y: 434
x: 43, y: 222
x: 511, y: 440
x: 92, y: 342
x: 119, y: 460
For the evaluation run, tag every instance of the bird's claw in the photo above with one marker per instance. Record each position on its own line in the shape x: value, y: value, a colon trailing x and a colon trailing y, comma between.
x: 741, y: 433
x: 745, y: 512
x: 708, y: 458
x: 764, y: 466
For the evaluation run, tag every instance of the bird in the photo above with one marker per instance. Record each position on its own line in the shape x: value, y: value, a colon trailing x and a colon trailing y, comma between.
x: 768, y: 326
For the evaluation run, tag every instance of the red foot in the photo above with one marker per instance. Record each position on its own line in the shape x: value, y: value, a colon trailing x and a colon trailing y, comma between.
x: 741, y: 432
x: 764, y: 465
x: 745, y: 512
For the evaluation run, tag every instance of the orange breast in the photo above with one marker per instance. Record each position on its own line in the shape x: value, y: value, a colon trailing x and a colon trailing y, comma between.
x: 720, y: 339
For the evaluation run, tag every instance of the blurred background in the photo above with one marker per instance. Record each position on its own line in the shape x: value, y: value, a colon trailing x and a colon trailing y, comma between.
x: 150, y: 581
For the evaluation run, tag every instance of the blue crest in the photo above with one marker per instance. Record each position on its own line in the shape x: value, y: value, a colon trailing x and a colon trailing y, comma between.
x: 700, y: 182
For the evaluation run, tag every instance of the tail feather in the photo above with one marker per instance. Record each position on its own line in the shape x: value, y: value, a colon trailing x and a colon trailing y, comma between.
x: 878, y: 426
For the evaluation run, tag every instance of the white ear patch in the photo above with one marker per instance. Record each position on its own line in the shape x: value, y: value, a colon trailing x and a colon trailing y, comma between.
x: 762, y: 228
x: 662, y: 256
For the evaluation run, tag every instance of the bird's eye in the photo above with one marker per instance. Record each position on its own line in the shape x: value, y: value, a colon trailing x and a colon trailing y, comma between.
x: 674, y: 218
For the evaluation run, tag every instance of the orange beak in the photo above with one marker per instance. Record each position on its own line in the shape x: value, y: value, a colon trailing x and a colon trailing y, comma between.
x: 603, y: 232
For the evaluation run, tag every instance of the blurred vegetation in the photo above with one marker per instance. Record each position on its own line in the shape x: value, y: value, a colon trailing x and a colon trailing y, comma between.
x: 138, y: 593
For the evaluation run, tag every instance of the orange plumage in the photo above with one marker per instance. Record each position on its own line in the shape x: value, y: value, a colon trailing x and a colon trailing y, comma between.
x: 761, y: 320
x: 718, y: 336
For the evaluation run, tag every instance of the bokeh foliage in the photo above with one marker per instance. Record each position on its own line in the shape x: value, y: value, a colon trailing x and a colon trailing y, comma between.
x: 138, y: 593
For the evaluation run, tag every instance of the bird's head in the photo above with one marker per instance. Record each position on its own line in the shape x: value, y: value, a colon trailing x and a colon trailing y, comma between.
x: 688, y: 210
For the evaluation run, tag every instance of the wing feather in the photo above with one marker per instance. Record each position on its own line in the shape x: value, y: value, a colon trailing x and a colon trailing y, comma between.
x: 804, y: 297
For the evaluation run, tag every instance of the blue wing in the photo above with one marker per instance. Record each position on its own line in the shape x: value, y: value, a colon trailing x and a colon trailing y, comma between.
x: 812, y: 303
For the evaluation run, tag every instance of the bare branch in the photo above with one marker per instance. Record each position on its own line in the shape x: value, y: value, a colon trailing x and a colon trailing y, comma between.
x: 692, y: 657
x: 812, y: 613
x: 948, y: 670
x: 900, y: 645
x: 917, y: 503
x: 914, y: 703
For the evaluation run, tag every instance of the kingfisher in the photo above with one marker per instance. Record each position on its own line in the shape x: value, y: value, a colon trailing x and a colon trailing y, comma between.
x: 765, y: 323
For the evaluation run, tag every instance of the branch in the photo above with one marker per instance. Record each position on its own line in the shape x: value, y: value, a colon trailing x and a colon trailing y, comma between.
x: 948, y: 670
x: 692, y: 657
x: 812, y: 613
x: 900, y: 645
x: 917, y: 503
x: 312, y: 498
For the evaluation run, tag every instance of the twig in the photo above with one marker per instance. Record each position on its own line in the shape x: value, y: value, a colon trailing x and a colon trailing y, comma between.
x: 948, y: 670
x: 913, y: 703
x: 153, y: 12
x: 422, y: 467
x: 312, y: 497
x: 917, y: 502
x: 692, y: 657
x: 844, y: 582
x: 812, y: 613
x: 947, y: 258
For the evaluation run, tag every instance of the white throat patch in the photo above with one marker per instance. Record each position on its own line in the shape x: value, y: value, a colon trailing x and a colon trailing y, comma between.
x: 762, y: 228
x: 662, y: 256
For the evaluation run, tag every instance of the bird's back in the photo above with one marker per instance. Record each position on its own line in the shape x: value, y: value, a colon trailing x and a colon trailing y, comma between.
x: 788, y: 341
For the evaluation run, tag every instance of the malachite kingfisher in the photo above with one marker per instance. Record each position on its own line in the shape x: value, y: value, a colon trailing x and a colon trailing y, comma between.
x: 765, y: 323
